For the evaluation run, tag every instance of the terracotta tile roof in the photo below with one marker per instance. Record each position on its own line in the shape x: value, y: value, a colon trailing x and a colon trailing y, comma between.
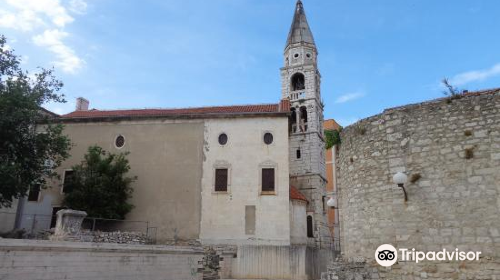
x: 295, y: 194
x: 238, y: 109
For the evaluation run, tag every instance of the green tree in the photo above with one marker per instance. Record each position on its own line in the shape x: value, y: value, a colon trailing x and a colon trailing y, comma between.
x: 332, y: 138
x: 99, y: 186
x: 31, y: 146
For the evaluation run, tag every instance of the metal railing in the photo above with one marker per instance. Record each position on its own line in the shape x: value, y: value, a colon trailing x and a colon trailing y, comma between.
x: 40, y: 226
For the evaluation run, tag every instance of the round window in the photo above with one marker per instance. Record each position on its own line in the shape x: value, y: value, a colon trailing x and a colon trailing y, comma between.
x: 268, y: 138
x: 120, y: 141
x: 308, y: 55
x: 296, y: 55
x: 223, y: 139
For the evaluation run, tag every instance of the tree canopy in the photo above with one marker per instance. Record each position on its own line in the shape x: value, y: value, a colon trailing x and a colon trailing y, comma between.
x: 332, y: 138
x: 31, y: 146
x: 99, y: 186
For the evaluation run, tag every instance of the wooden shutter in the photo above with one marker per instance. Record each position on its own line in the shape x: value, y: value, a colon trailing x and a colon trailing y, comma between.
x: 268, y: 179
x: 221, y: 180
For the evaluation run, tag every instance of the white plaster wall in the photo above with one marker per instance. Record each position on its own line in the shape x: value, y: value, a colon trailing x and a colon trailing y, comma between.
x: 8, y: 217
x: 223, y: 214
x: 298, y: 222
x: 41, y: 260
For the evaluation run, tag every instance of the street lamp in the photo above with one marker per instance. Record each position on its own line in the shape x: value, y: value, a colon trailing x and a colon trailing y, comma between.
x: 400, y: 179
x: 332, y: 202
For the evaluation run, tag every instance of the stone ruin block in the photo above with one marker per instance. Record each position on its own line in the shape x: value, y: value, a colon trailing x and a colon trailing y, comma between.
x: 68, y: 225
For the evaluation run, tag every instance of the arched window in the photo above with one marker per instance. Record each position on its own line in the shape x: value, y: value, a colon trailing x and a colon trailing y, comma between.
x: 298, y: 82
x: 303, y: 114
x: 310, y: 232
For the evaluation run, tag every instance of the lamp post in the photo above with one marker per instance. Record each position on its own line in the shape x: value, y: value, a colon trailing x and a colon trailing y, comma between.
x: 400, y: 179
x: 332, y: 202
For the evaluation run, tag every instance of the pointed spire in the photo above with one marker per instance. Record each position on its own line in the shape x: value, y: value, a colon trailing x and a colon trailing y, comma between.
x: 299, y: 31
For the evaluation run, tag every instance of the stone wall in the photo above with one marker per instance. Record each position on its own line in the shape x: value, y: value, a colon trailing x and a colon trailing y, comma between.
x: 450, y: 150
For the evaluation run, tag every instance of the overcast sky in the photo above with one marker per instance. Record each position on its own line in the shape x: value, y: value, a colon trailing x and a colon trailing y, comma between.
x: 185, y: 53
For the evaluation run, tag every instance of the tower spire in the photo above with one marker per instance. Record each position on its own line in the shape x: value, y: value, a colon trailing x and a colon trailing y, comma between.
x: 299, y: 31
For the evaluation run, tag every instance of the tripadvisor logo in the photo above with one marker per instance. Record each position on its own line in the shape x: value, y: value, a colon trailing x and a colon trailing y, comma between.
x: 387, y: 255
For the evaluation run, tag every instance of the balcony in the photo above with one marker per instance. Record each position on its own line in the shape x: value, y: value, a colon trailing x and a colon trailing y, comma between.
x: 296, y: 95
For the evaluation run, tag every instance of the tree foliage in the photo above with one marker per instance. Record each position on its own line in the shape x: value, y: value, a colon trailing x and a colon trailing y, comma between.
x: 99, y: 186
x: 332, y: 138
x: 31, y: 147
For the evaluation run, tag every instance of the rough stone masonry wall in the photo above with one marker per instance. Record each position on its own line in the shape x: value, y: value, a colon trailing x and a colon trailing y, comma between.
x: 454, y: 147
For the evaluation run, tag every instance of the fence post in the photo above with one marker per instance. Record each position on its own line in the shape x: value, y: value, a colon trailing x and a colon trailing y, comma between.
x: 93, y: 224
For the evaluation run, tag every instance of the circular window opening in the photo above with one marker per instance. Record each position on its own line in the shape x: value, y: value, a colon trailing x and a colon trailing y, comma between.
x: 296, y: 55
x: 308, y: 55
x: 268, y: 138
x: 223, y: 139
x: 120, y: 141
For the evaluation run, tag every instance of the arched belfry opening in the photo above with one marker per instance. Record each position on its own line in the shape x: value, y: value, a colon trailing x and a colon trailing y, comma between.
x: 298, y: 82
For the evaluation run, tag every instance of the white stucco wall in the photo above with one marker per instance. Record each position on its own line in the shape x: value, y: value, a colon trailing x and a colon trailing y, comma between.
x: 223, y: 214
x: 8, y: 217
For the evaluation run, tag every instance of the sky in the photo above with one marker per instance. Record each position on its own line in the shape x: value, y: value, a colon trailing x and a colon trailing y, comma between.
x: 373, y: 55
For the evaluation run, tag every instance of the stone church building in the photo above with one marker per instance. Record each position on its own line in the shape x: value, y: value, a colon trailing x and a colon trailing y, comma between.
x: 249, y: 175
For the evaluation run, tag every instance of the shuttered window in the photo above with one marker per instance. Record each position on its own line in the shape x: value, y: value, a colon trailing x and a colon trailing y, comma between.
x: 221, y: 180
x: 267, y: 179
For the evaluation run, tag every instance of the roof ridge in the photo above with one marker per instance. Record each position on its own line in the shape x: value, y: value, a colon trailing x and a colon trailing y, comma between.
x: 179, y: 108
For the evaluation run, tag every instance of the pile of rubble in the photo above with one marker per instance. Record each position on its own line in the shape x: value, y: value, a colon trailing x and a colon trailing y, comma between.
x: 119, y: 237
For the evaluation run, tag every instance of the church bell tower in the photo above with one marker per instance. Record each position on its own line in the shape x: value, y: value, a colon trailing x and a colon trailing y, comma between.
x: 300, y: 82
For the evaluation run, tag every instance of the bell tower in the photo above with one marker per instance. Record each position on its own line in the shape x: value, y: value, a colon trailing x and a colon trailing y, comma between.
x: 300, y: 82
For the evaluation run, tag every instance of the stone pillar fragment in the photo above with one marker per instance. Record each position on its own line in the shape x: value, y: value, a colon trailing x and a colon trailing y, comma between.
x: 68, y: 224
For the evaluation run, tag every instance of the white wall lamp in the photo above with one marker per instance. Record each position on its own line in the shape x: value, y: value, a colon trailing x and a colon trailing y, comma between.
x: 400, y: 179
x: 332, y: 202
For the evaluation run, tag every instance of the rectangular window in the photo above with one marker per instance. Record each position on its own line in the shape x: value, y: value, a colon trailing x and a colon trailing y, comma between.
x: 67, y: 184
x: 34, y: 193
x: 268, y: 179
x: 221, y: 180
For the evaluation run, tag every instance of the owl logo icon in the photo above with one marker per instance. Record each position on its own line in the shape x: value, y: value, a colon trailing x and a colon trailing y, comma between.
x: 386, y: 255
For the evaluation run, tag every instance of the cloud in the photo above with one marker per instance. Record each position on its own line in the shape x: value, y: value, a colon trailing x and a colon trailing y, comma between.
x: 78, y: 7
x: 349, y: 97
x: 52, y: 39
x: 51, y: 16
x: 52, y: 9
x: 25, y: 20
x: 475, y: 76
x: 346, y: 121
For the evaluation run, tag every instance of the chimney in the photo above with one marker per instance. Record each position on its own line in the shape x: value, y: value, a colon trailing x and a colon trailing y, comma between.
x: 82, y: 104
